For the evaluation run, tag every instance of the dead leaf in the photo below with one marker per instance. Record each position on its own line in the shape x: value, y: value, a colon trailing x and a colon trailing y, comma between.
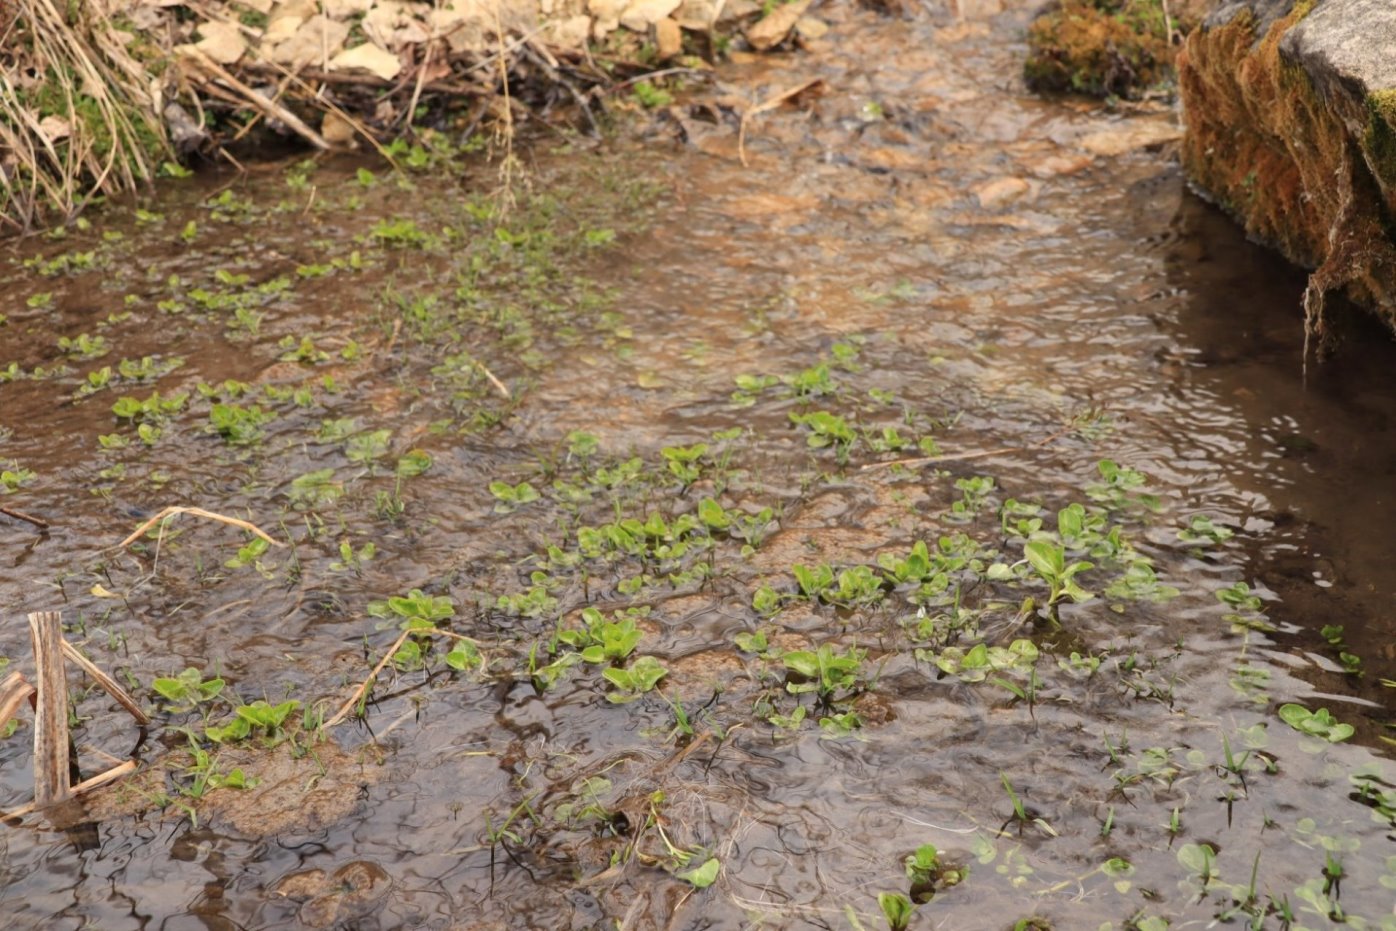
x: 368, y: 57
x: 53, y: 128
x: 223, y: 42
x: 342, y: 9
x: 668, y: 39
x: 776, y: 25
x: 639, y: 15
x: 317, y: 40
x: 337, y: 130
x: 393, y: 25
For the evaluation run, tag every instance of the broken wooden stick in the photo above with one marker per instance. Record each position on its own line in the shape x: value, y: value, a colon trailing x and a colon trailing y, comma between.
x: 174, y: 511
x: 27, y: 518
x: 101, y: 779
x: 123, y: 698
x: 50, y: 711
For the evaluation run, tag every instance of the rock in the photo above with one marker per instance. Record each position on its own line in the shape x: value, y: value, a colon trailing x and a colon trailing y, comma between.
x: 812, y: 28
x: 698, y: 15
x: 640, y: 15
x: 668, y: 39
x: 1291, y: 127
x: 1138, y: 134
x: 570, y: 33
x: 1001, y: 191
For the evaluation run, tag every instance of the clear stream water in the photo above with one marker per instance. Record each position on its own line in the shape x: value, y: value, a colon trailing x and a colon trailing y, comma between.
x: 970, y: 265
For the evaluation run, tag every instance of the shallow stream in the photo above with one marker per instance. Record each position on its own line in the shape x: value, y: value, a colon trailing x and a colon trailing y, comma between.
x: 912, y: 303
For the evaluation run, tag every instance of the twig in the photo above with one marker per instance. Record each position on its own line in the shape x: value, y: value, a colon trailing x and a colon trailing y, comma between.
x: 364, y: 686
x: 27, y: 518
x: 650, y: 75
x: 270, y: 107
x: 348, y: 706
x: 960, y: 457
x: 123, y: 698
x: 13, y: 692
x: 499, y: 385
x: 769, y: 103
x: 173, y: 511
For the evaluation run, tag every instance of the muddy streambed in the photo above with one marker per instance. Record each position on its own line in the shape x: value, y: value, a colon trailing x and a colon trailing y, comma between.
x: 741, y: 489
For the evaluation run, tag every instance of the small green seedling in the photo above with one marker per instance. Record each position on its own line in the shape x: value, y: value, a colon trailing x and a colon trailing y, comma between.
x: 703, y: 876
x: 1049, y: 561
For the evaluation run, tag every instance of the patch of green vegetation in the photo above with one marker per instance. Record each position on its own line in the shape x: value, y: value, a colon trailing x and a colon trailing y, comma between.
x: 1119, y: 48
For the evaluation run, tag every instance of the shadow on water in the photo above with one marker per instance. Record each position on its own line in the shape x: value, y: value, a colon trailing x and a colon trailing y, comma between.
x: 1317, y: 453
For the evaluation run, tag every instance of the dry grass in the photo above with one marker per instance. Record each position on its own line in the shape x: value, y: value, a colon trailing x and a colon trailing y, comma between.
x: 79, y: 116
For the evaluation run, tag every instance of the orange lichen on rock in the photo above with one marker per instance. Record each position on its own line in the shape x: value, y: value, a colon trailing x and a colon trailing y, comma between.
x: 1281, y: 153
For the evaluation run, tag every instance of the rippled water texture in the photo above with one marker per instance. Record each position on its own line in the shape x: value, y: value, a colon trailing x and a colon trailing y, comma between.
x: 1026, y: 283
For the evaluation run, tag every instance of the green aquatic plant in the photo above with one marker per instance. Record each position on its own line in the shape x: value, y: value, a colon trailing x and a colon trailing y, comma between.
x: 512, y: 497
x: 603, y: 639
x: 634, y: 681
x: 685, y: 462
x: 1320, y: 723
x: 979, y: 661
x: 416, y: 609
x: 1202, y: 531
x: 823, y: 671
x: 896, y: 909
x: 188, y: 689
x: 827, y: 430
x: 13, y: 477
x: 257, y: 718
x: 239, y: 426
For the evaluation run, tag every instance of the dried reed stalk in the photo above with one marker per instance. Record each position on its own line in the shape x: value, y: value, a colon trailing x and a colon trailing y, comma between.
x: 173, y: 511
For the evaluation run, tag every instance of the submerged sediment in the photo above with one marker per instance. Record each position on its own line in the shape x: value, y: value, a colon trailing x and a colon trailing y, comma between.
x: 1291, y: 127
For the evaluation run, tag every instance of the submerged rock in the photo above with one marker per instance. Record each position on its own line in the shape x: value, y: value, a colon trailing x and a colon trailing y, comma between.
x: 1291, y: 126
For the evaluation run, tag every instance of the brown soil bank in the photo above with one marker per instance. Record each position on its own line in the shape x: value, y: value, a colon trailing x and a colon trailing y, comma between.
x: 1291, y: 126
